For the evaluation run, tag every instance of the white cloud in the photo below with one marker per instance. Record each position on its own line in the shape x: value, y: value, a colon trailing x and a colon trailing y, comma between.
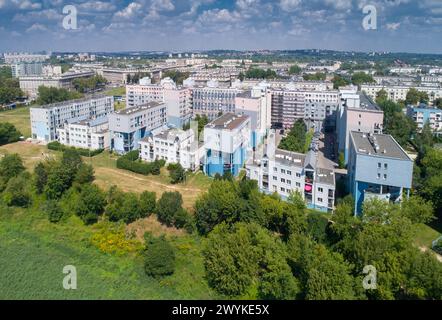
x: 218, y: 15
x: 162, y: 5
x: 340, y: 4
x: 130, y: 11
x: 26, y: 4
x: 44, y: 15
x: 98, y: 6
x: 393, y: 26
x: 37, y: 27
x: 289, y: 5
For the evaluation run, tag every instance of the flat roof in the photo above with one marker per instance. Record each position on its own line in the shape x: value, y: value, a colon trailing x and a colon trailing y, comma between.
x: 289, y: 158
x: 325, y: 176
x: 136, y: 109
x: 367, y: 103
x: 228, y: 121
x: 68, y: 102
x: 378, y: 145
x: 92, y: 122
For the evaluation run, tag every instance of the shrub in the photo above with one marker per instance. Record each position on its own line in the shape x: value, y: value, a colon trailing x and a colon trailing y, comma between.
x: 57, y: 146
x: 130, y: 161
x: 8, y: 133
x: 17, y: 192
x: 176, y: 172
x: 168, y: 207
x: 54, y: 211
x: 159, y: 257
x: 111, y: 238
x: 91, y: 204
x: 147, y: 203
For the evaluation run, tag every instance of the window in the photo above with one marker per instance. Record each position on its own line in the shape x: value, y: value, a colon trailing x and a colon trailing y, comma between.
x: 320, y: 199
x: 385, y: 166
x: 298, y: 184
x: 289, y: 182
x: 379, y: 165
x: 282, y: 170
x: 282, y: 189
x: 379, y: 175
x: 275, y: 178
x: 385, y: 177
x: 282, y: 180
x: 320, y: 189
x: 298, y: 175
x: 289, y: 172
x: 275, y: 169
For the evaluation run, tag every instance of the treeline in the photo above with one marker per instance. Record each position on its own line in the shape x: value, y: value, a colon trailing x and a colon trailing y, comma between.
x: 57, y: 146
x: 48, y: 95
x: 257, y: 73
x: 9, y: 87
x: 131, y: 161
x: 258, y: 246
x: 85, y: 85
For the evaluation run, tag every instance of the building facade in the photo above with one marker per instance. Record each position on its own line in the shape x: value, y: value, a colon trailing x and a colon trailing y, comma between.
x: 213, y: 101
x: 127, y: 127
x: 45, y: 120
x: 424, y: 114
x: 398, y: 93
x: 86, y: 134
x: 378, y: 168
x: 227, y: 144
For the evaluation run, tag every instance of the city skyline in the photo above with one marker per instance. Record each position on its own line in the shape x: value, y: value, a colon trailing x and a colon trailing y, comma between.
x: 172, y: 25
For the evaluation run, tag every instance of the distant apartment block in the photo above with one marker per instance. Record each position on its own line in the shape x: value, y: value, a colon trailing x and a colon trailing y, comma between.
x: 378, y: 168
x: 213, y: 101
x: 13, y: 58
x: 399, y: 92
x: 424, y: 114
x: 227, y: 144
x: 45, y: 120
x: 86, y: 134
x: 356, y: 113
x: 30, y: 84
x: 119, y: 76
x: 127, y: 127
x: 26, y: 69
x: 285, y: 172
x: 173, y: 146
x: 178, y: 100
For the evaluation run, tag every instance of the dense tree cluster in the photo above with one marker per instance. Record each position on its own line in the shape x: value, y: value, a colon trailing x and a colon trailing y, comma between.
x: 257, y: 73
x: 298, y: 139
x: 131, y: 161
x: 414, y: 97
x: 339, y: 81
x: 48, y: 95
x: 359, y: 78
x: 177, y: 76
x: 9, y: 87
x: 84, y: 85
x: 318, y: 76
x: 295, y: 69
x: 159, y: 257
x: 8, y: 133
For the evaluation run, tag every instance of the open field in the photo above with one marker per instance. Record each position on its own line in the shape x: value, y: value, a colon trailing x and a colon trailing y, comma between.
x: 120, y: 91
x: 20, y: 118
x: 107, y: 174
x: 34, y: 252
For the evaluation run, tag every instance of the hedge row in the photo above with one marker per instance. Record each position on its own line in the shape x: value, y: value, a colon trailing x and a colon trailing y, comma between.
x: 57, y: 146
x: 131, y: 162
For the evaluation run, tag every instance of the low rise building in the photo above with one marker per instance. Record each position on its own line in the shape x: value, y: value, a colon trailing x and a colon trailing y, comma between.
x: 86, y: 134
x: 173, y: 146
x: 379, y: 168
x: 128, y: 126
x: 423, y: 114
x: 227, y: 144
x: 45, y: 120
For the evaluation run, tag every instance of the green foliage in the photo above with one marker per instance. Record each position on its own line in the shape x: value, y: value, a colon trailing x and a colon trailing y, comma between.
x: 341, y: 160
x: 59, y: 180
x: 318, y: 76
x: 91, y: 204
x: 256, y: 73
x: 57, y: 146
x: 295, y: 69
x: 238, y: 256
x: 85, y: 174
x: 339, y: 81
x: 414, y: 97
x: 11, y: 165
x: 53, y: 210
x: 296, y: 138
x: 131, y: 162
x: 147, y: 203
x: 177, y: 76
x: 359, y: 78
x: 84, y: 85
x: 8, y: 133
x: 17, y: 192
x: 123, y: 207
x: 48, y: 95
x: 40, y: 177
x: 176, y: 172
x: 170, y: 211
x: 9, y: 87
x: 431, y: 177
x: 159, y: 257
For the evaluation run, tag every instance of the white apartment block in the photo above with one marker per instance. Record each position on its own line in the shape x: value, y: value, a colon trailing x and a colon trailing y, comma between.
x: 127, y: 127
x: 178, y: 100
x: 173, y: 146
x: 284, y: 172
x: 399, y: 92
x: 12, y: 58
x: 213, y: 101
x: 45, y: 120
x: 86, y: 134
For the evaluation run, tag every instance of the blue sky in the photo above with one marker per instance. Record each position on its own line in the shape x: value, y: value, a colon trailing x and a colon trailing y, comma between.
x: 122, y: 25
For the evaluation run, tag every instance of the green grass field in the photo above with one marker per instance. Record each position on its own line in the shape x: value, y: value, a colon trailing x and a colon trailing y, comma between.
x: 34, y: 252
x: 20, y: 118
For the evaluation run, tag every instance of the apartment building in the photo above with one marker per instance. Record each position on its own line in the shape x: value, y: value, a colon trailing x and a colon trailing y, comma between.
x: 378, y: 168
x: 254, y: 104
x: 45, y: 120
x: 119, y: 76
x: 13, y: 58
x: 399, y: 92
x: 128, y: 126
x: 357, y: 112
x: 26, y: 69
x: 86, y: 134
x: 227, y: 144
x: 30, y: 84
x: 178, y: 99
x: 423, y: 114
x: 213, y: 100
x: 173, y: 146
x: 285, y: 172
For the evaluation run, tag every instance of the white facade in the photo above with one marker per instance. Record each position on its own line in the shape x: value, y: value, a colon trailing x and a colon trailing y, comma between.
x: 173, y: 146
x: 45, y: 120
x: 11, y: 58
x: 397, y: 93
x: 93, y: 135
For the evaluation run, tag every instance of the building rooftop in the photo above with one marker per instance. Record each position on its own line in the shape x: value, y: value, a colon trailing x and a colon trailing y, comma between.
x: 325, y: 176
x: 228, y: 121
x: 289, y: 158
x: 132, y: 110
x: 64, y: 103
x: 367, y: 103
x: 378, y: 145
x: 92, y: 122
